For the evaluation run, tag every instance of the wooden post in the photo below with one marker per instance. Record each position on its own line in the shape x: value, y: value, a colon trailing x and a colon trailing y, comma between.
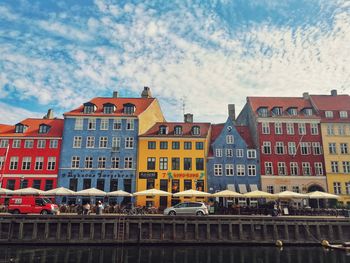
x: 46, y: 234
x: 35, y: 231
x: 20, y: 232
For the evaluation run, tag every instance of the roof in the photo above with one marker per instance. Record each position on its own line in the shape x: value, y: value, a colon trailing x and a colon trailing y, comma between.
x: 4, y: 127
x: 215, y: 131
x: 141, y: 104
x: 33, y: 128
x: 186, y: 129
x: 332, y: 103
x: 245, y: 134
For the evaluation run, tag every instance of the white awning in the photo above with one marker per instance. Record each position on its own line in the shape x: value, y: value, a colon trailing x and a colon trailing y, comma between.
x: 242, y: 188
x: 253, y: 187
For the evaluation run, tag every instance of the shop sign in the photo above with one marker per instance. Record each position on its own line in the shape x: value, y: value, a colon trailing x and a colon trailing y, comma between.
x: 148, y: 175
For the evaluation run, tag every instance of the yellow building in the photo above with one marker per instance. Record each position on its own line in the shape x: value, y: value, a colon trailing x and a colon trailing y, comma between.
x: 172, y: 158
x: 335, y: 127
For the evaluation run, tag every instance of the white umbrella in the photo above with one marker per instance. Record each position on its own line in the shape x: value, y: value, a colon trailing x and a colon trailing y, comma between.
x: 28, y: 191
x: 60, y: 191
x: 119, y: 193
x: 290, y: 195
x: 227, y: 193
x: 152, y: 192
x: 322, y: 195
x: 91, y: 192
x: 192, y: 193
x: 258, y: 194
x: 4, y: 191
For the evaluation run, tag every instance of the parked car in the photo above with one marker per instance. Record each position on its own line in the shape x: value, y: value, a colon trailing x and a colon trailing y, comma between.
x: 32, y: 205
x: 187, y: 208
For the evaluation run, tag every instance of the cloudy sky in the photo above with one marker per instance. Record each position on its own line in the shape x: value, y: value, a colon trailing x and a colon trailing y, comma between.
x: 59, y: 54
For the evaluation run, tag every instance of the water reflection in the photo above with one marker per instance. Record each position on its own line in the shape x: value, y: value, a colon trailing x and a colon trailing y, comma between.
x: 177, y: 254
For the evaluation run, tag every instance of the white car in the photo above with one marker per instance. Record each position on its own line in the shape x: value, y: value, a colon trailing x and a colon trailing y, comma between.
x: 187, y: 208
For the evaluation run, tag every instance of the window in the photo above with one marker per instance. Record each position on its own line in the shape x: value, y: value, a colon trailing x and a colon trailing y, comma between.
x: 89, y: 108
x: 292, y: 150
x: 103, y: 142
x: 334, y: 167
x: 48, y: 185
x: 176, y: 145
x: 20, y: 128
x: 290, y: 128
x: 90, y: 142
x: 53, y: 144
x: 78, y: 124
x: 24, y: 183
x: 330, y: 129
x: 88, y: 162
x: 75, y: 162
x: 217, y: 169
x: 129, y: 143
x: 163, y: 145
x: 305, y: 148
x: 175, y: 163
x: 347, y: 188
x: 149, y: 183
x: 73, y: 184
x: 344, y: 148
x: 293, y: 111
x: 346, y: 167
x: 113, y: 185
x: 43, y: 128
x: 163, y: 130
x: 218, y: 152
x: 229, y: 169
x: 302, y: 128
x: 196, y: 130
x: 130, y: 124
x: 187, y: 185
x: 2, y: 161
x: 240, y: 169
x: 229, y: 152
x: 17, y: 144
x: 51, y: 163
x: 163, y: 163
x: 100, y: 184
x: 294, y: 169
x: 279, y: 148
x: 316, y: 148
x: 28, y: 143
x: 199, y: 146
x: 91, y: 124
x: 39, y: 163
x: 278, y: 128
x: 104, y: 124
x: 332, y: 148
x: 151, y: 163
x: 341, y: 129
x: 13, y: 163
x: 281, y: 168
x: 262, y: 112
x: 41, y: 144
x: 36, y: 184
x: 343, y: 114
x: 337, y: 188
x: 251, y: 154
x: 283, y: 188
x: 187, y: 145
x: 318, y: 169
x: 117, y: 124
x: 229, y: 139
x: 128, y: 162
x: 178, y: 130
x: 266, y: 148
x: 101, y: 163
x: 77, y: 142
x: 265, y: 128
x: 278, y: 111
x: 86, y: 183
x: 115, y: 162
x: 308, y: 112
x: 26, y: 163
x: 129, y: 108
x: 314, y: 128
x: 115, y: 144
x: 251, y: 170
x: 295, y: 189
x: 239, y: 153
x: 152, y: 145
x: 11, y: 184
x: 268, y: 168
x: 270, y: 189
x: 199, y: 164
x: 108, y: 108
x: 187, y: 163
x: 306, y: 169
x: 329, y: 114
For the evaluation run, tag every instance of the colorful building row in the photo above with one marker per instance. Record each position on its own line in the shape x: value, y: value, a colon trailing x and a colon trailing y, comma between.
x: 111, y: 143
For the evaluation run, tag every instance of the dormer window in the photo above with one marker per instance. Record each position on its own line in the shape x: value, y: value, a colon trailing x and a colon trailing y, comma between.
x: 163, y: 130
x: 43, y: 128
x: 277, y: 111
x: 196, y: 130
x: 108, y: 108
x: 178, y: 130
x: 293, y: 111
x: 329, y: 114
x: 343, y: 114
x: 20, y: 128
x: 129, y: 108
x: 262, y: 112
x: 89, y: 108
x: 308, y: 112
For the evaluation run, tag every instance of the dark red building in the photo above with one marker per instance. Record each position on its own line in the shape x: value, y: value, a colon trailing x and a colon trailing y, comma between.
x: 30, y: 152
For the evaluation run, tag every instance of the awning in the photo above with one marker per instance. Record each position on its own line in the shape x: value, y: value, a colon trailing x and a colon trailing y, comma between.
x: 242, y: 188
x: 253, y: 187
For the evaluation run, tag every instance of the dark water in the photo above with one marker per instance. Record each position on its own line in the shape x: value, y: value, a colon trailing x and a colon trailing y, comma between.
x: 178, y: 254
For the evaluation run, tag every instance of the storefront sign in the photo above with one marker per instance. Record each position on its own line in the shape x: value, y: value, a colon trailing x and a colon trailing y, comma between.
x: 96, y: 175
x: 148, y: 175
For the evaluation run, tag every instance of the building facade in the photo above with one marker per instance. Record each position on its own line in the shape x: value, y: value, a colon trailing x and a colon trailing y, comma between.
x: 287, y: 130
x: 172, y: 158
x: 334, y: 110
x: 100, y: 141
x: 30, y: 152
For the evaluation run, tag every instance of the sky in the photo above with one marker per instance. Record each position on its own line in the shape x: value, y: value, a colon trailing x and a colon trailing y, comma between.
x: 200, y: 54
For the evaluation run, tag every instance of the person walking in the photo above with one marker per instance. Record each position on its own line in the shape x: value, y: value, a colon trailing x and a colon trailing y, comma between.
x: 86, y: 208
x: 99, y: 208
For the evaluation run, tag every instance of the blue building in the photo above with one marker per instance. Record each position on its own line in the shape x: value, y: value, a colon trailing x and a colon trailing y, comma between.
x: 100, y: 140
x: 233, y: 162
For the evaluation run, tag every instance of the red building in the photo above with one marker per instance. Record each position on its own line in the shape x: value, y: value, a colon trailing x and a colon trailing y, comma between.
x: 30, y: 152
x: 287, y: 130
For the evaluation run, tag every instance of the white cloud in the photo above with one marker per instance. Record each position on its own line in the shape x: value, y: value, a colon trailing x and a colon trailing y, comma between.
x: 14, y: 114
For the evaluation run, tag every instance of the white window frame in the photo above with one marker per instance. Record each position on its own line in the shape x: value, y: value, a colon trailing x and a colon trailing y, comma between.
x: 75, y: 162
x: 229, y: 139
x: 316, y: 148
x: 129, y: 143
x: 117, y: 124
x: 306, y: 165
x: 26, y: 163
x: 101, y: 162
x: 218, y: 152
x: 229, y: 169
x: 294, y: 168
x: 337, y: 188
x: 130, y: 124
x: 268, y: 165
x: 28, y: 144
x: 39, y: 163
x: 343, y: 114
x: 314, y: 128
x: 103, y: 142
x: 115, y: 163
x: 278, y: 128
x: 104, y: 124
x: 292, y: 149
x: 318, y: 168
x: 90, y: 142
x: 79, y: 124
x: 305, y: 146
x: 279, y: 145
x: 128, y: 163
x: 282, y: 169
x: 240, y: 169
x: 91, y: 124
x: 41, y: 144
x: 301, y: 128
x: 266, y: 145
x: 330, y: 129
x: 239, y: 153
x: 251, y: 170
x: 229, y: 153
x: 77, y: 140
x: 328, y: 114
x: 51, y: 163
x: 265, y: 127
x: 217, y: 169
x: 335, y: 166
x: 290, y: 128
x: 17, y: 143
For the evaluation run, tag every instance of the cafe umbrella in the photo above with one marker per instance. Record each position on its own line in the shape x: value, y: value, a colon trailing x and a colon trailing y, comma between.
x: 227, y: 193
x: 4, y: 191
x: 290, y: 195
x: 152, y: 192
x: 28, y: 191
x: 192, y: 193
x: 119, y: 193
x: 91, y: 192
x: 60, y: 191
x: 321, y: 195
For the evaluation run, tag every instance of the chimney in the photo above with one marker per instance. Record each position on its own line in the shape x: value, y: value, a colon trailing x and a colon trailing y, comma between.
x: 49, y: 114
x: 188, y: 118
x: 146, y: 93
x: 115, y: 94
x: 232, y: 111
x: 334, y: 92
x: 306, y: 95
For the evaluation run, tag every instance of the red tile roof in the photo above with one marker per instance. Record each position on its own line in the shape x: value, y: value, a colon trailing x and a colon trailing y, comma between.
x: 33, y: 128
x: 332, y: 103
x: 245, y: 134
x: 186, y: 129
x: 215, y: 131
x: 5, y: 127
x: 141, y: 105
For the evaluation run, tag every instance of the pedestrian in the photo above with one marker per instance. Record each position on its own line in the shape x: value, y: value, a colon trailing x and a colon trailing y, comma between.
x: 99, y: 208
x: 86, y: 208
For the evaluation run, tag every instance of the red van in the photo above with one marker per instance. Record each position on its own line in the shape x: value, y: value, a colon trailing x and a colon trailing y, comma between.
x: 32, y: 205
